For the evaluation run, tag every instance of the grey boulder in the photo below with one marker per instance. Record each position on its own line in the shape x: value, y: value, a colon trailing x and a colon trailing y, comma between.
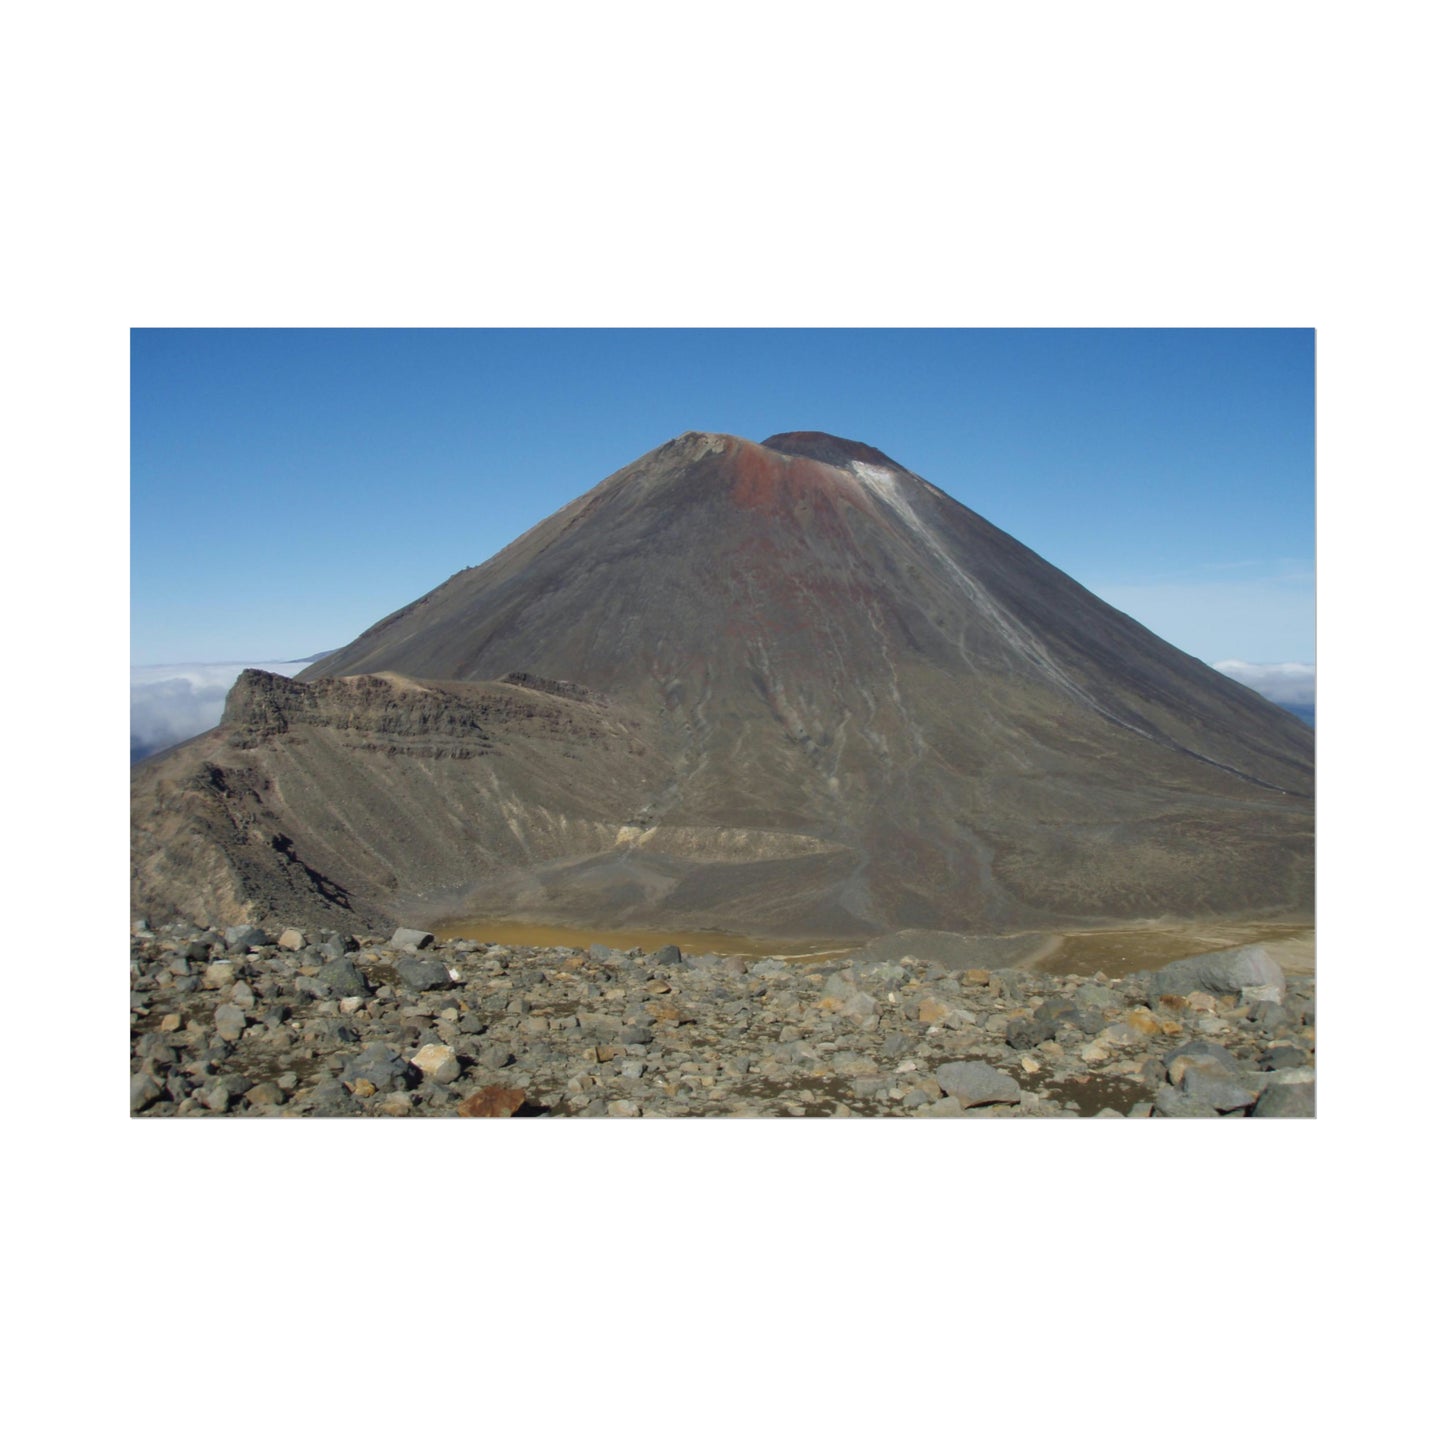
x: 1229, y: 971
x: 381, y: 1066
x: 1209, y: 1082
x: 144, y: 1091
x: 1094, y: 995
x: 971, y: 1082
x: 1284, y: 1056
x: 1178, y: 1062
x: 230, y: 1022
x: 1172, y: 1103
x: 422, y: 974
x: 1286, y: 1101
x: 245, y: 935
x: 1025, y: 1034
x: 342, y: 979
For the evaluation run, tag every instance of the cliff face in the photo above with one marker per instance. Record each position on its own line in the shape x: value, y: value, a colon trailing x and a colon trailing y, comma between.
x: 334, y: 800
x: 787, y: 686
x: 375, y: 713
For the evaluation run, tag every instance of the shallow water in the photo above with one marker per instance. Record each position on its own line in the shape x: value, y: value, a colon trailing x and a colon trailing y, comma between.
x: 543, y: 935
x: 1094, y: 1092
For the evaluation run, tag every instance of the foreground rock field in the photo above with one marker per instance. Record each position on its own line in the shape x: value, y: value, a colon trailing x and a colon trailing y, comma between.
x: 246, y: 1023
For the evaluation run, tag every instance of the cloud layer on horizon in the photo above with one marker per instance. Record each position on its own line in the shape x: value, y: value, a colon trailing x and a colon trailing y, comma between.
x: 1290, y: 684
x: 170, y: 702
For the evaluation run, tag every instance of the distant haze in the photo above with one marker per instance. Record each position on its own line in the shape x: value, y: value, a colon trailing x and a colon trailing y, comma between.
x: 1290, y: 684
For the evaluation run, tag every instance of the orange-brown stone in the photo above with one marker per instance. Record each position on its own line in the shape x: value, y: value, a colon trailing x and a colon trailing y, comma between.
x: 1142, y: 1021
x: 493, y: 1102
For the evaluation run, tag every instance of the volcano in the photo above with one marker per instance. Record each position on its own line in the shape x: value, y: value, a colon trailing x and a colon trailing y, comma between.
x: 786, y: 685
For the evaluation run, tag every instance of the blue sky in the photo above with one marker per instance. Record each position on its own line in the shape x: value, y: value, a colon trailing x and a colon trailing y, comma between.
x: 291, y: 487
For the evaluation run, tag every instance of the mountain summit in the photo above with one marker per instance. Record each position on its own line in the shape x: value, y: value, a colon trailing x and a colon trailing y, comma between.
x: 787, y: 686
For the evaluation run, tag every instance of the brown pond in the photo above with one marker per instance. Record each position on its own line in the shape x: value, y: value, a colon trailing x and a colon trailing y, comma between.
x: 542, y: 935
x: 1114, y: 952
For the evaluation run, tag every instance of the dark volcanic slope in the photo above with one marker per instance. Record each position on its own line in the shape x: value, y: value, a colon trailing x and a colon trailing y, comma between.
x: 860, y: 706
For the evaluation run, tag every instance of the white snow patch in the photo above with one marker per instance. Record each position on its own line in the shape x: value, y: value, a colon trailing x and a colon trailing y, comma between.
x: 883, y: 483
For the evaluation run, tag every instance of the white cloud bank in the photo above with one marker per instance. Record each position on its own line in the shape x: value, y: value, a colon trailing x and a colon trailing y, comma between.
x: 1290, y: 684
x: 170, y: 702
